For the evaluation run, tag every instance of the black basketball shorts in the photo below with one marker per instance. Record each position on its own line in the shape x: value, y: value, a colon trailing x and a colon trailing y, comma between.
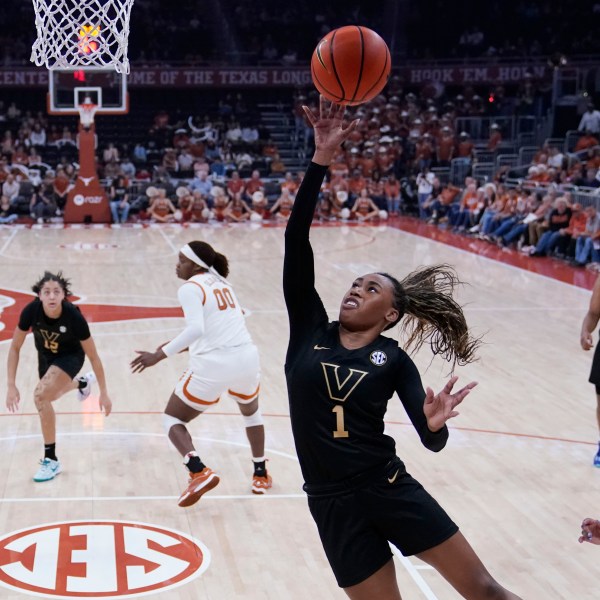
x: 70, y: 363
x: 595, y: 372
x: 355, y: 526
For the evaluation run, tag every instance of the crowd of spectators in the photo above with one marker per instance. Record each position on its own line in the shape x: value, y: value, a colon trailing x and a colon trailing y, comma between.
x: 222, y: 167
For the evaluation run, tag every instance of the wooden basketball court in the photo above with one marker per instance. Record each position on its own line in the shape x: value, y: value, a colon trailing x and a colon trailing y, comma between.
x: 516, y: 475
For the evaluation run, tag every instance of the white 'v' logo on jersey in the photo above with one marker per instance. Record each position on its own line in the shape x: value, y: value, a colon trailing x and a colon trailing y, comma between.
x: 341, y: 390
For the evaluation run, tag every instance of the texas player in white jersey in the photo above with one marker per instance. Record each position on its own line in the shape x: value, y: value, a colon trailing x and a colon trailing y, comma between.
x: 222, y: 359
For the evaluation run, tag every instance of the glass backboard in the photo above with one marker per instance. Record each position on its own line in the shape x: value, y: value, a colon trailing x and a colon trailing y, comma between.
x: 67, y: 88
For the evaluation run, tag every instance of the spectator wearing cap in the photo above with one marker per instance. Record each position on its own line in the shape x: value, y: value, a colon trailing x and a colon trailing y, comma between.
x: 384, y: 160
x: 590, y: 120
x: 445, y: 147
x: 367, y: 162
x: 466, y: 147
x: 495, y: 137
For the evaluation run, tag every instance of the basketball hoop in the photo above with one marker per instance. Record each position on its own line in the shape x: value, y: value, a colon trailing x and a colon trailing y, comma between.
x: 87, y: 110
x: 82, y: 33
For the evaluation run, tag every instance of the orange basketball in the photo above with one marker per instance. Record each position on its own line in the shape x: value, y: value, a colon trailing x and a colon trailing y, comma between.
x: 351, y: 65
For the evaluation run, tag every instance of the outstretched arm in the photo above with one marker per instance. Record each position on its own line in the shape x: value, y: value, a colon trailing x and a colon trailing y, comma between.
x: 438, y: 408
x: 298, y: 267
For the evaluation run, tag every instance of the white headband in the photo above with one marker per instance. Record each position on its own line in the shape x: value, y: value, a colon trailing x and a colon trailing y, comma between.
x: 189, y: 253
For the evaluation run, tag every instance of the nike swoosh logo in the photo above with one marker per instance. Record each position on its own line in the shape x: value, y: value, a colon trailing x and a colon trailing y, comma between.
x: 317, y: 347
x: 392, y: 479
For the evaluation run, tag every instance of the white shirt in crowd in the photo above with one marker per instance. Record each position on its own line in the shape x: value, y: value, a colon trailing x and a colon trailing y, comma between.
x: 425, y: 183
x: 214, y: 319
x: 590, y: 121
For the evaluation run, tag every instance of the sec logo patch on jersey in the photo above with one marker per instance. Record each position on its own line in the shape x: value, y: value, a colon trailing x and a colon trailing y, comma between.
x: 378, y: 358
x: 99, y: 559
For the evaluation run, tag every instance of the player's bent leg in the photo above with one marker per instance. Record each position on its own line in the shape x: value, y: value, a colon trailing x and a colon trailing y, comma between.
x: 201, y: 478
x: 255, y: 431
x: 177, y: 415
x: 382, y: 585
x: 51, y: 386
x: 457, y: 562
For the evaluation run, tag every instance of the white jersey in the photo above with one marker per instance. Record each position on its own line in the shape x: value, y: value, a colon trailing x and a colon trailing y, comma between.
x: 213, y: 316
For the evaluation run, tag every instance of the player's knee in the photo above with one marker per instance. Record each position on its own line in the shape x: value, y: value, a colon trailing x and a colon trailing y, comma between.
x: 40, y: 397
x: 253, y: 420
x: 40, y: 402
x: 170, y: 421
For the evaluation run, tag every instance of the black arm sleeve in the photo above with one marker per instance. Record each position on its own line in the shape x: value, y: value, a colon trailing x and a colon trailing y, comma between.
x: 303, y: 303
x: 410, y: 390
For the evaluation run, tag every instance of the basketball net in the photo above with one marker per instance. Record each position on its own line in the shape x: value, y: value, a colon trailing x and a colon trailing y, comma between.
x: 82, y: 33
x: 87, y: 110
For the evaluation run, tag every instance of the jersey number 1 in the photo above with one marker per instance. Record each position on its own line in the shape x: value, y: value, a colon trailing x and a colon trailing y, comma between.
x: 339, y: 432
x: 224, y: 299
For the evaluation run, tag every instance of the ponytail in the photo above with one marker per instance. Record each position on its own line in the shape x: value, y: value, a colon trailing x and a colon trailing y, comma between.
x: 210, y: 257
x: 221, y: 264
x: 424, y: 299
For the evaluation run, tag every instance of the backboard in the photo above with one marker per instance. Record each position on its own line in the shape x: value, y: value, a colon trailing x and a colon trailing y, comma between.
x: 67, y: 88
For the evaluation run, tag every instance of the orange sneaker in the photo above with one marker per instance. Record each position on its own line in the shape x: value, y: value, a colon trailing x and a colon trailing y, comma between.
x: 261, y: 484
x: 199, y: 484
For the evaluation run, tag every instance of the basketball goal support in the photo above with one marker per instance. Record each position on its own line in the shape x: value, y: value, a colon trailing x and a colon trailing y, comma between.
x: 87, y: 201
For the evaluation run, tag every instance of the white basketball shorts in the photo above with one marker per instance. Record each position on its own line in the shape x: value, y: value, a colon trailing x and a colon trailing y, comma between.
x: 232, y: 370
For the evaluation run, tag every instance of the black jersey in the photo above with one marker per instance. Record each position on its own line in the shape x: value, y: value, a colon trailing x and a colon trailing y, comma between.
x: 55, y: 336
x: 338, y: 397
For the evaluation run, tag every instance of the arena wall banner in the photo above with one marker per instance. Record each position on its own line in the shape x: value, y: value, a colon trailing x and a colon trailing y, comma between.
x: 256, y: 77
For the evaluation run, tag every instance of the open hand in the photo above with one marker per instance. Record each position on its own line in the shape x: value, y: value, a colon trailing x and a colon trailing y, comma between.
x: 439, y: 408
x: 328, y: 127
x: 12, y: 399
x: 105, y: 404
x: 146, y: 359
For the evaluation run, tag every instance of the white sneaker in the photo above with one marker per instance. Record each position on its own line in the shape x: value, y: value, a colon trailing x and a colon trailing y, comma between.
x: 89, y: 378
x: 48, y: 470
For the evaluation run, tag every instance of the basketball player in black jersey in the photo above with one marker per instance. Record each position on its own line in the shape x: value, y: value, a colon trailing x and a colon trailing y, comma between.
x: 340, y: 376
x: 63, y: 340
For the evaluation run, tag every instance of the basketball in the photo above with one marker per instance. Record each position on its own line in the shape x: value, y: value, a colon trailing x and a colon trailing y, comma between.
x: 351, y: 65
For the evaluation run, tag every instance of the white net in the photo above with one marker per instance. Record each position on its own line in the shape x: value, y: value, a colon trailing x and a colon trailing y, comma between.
x: 82, y: 33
